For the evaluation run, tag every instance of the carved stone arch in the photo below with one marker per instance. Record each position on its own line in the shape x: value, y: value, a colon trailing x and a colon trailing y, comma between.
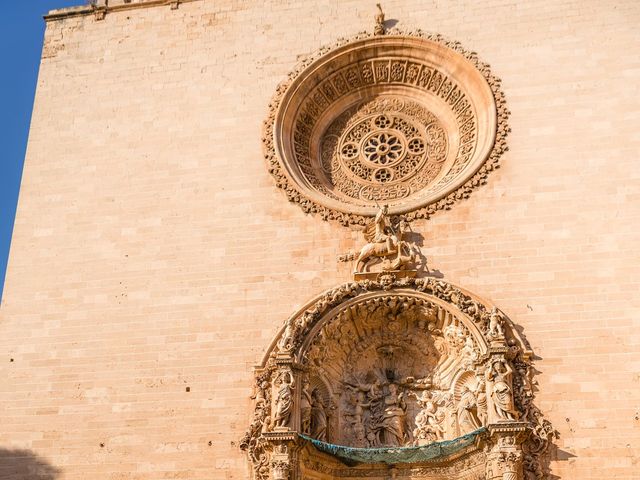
x: 449, y: 307
x: 377, y: 365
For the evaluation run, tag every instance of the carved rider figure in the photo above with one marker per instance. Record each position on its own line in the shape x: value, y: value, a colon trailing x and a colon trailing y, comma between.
x: 381, y: 226
x: 384, y: 242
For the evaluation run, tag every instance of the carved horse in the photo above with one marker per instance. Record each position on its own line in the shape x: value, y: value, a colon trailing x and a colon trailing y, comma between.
x: 386, y: 249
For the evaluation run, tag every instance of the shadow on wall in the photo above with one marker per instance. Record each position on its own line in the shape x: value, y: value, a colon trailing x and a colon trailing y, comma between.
x: 25, y: 465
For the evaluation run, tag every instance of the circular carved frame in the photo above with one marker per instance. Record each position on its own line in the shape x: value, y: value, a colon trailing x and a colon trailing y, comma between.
x: 406, y: 119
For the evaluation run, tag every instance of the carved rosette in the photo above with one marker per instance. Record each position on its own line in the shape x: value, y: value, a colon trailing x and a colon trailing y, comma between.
x: 406, y: 119
x: 400, y: 363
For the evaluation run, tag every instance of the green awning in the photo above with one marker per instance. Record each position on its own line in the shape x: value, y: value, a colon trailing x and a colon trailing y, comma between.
x: 392, y: 455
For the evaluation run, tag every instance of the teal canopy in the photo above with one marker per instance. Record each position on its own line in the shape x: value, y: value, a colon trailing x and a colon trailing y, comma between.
x: 392, y: 455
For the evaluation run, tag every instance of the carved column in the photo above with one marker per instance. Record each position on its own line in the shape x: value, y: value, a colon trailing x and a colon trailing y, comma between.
x: 504, y: 458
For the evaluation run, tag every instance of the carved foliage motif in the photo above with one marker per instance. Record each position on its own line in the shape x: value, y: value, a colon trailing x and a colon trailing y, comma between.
x: 400, y: 363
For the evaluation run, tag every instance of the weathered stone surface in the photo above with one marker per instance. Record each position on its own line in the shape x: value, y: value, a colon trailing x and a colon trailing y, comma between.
x: 152, y: 251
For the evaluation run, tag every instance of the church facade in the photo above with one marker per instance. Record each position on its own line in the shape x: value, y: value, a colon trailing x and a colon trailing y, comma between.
x: 323, y: 240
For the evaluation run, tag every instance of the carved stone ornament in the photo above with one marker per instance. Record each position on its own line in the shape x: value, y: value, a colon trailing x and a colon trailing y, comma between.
x: 376, y: 365
x: 387, y: 250
x: 405, y: 119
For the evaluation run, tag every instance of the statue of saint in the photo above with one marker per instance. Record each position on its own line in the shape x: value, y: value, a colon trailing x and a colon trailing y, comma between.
x: 318, y: 417
x: 481, y: 403
x: 498, y: 376
x: 467, y: 411
x: 284, y: 400
x: 305, y: 408
x: 393, y: 422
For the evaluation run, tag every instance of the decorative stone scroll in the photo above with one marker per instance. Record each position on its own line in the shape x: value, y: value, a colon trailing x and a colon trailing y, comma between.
x: 406, y: 119
x: 397, y: 363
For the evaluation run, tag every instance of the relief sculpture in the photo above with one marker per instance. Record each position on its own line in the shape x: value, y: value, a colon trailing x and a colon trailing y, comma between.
x: 284, y: 399
x: 397, y: 373
x: 406, y: 363
x: 386, y: 242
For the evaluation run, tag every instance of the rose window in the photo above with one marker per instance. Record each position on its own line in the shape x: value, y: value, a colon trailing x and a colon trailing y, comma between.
x: 400, y: 120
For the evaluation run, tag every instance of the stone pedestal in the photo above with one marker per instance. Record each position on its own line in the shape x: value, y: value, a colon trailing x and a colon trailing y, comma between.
x: 504, y: 458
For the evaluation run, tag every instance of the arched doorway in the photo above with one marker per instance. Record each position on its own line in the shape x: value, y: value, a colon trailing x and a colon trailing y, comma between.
x: 409, y: 378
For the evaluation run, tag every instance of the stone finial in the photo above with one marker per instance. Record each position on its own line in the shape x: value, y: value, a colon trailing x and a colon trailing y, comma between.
x: 379, y: 28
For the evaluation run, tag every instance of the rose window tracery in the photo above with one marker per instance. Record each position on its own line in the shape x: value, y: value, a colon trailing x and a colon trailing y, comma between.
x: 383, y: 149
x: 402, y: 120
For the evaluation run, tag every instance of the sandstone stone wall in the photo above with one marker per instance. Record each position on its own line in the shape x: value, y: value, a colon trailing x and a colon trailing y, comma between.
x: 153, y: 259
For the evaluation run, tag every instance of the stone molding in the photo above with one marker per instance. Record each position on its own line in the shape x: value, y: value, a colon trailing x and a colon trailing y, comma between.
x: 101, y: 8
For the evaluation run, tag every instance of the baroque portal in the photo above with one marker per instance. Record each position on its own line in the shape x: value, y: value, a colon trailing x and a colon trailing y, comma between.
x: 395, y: 374
x: 398, y: 362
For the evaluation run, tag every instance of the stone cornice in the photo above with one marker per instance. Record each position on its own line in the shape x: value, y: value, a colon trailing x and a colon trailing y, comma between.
x: 102, y: 7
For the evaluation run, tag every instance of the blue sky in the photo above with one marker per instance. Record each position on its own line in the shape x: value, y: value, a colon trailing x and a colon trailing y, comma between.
x: 21, y: 30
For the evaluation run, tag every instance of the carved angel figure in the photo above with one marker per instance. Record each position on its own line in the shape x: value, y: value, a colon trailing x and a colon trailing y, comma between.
x: 428, y: 422
x: 286, y: 341
x: 495, y: 324
x: 284, y: 400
